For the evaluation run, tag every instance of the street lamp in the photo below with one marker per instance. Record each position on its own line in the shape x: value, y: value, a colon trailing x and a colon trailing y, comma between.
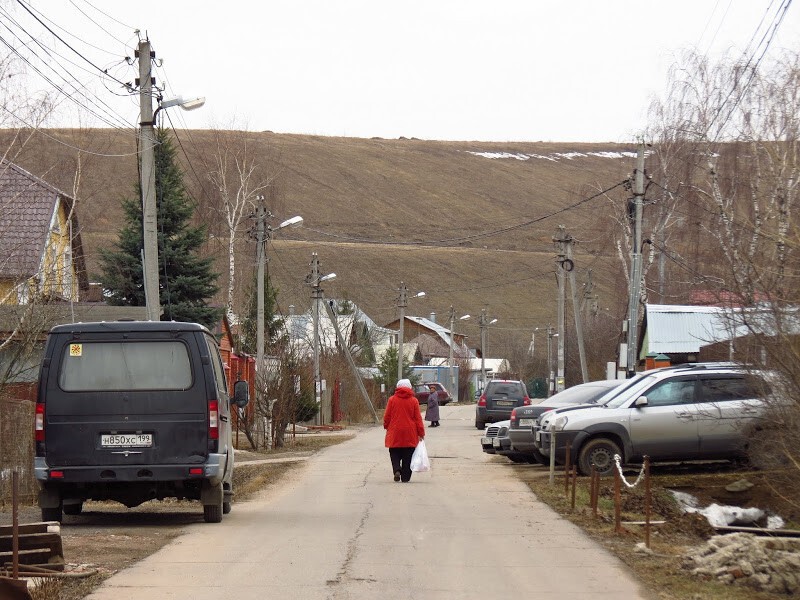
x: 483, y: 324
x: 265, y: 233
x: 147, y: 142
x: 453, y: 386
x: 401, y: 304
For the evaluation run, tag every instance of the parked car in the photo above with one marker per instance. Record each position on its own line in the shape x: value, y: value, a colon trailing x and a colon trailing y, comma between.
x: 498, y: 400
x: 523, y: 418
x: 134, y: 411
x: 423, y: 390
x: 686, y: 412
x: 492, y: 432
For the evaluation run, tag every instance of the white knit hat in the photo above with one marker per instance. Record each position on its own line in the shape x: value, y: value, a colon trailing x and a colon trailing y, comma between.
x: 404, y: 383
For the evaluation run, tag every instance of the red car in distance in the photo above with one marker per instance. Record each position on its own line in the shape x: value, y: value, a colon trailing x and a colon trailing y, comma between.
x: 423, y: 390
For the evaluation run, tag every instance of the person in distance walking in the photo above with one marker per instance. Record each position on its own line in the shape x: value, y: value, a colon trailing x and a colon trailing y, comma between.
x: 432, y: 412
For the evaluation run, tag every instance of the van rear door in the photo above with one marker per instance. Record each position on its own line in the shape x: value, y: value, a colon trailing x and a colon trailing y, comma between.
x: 126, y: 400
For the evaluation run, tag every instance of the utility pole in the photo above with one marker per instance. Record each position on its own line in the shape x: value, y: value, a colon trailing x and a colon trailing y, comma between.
x: 261, y: 239
x: 316, y: 294
x: 453, y: 387
x: 402, y: 302
x: 551, y: 384
x: 483, y: 323
x: 636, y: 263
x: 148, y: 183
x: 561, y: 260
x: 569, y: 266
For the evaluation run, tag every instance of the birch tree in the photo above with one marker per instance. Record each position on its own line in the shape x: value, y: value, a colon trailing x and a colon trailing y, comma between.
x: 242, y: 183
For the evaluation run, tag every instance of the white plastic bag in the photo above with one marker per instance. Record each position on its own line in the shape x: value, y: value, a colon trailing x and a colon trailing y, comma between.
x: 419, y: 460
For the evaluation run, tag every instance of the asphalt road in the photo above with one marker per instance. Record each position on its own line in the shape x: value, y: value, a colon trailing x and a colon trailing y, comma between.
x: 341, y: 528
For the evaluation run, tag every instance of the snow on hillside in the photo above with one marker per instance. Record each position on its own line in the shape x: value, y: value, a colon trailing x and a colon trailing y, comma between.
x: 554, y: 156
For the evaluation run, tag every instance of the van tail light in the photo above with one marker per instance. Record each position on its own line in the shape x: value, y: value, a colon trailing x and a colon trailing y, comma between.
x: 482, y: 400
x: 526, y: 401
x: 213, y: 420
x: 39, y: 422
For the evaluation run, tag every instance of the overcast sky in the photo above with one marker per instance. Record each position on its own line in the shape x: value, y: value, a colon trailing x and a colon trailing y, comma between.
x: 551, y: 70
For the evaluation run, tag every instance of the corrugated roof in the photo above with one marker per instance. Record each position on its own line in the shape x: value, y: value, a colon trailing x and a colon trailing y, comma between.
x: 682, y: 329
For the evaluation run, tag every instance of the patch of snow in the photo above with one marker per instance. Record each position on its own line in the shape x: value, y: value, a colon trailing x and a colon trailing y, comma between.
x: 554, y: 157
x: 720, y: 516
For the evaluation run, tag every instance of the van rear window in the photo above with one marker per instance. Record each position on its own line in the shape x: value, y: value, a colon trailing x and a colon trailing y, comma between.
x: 130, y: 365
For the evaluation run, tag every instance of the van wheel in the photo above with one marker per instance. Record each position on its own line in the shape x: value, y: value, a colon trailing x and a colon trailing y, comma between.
x: 212, y: 513
x: 480, y: 424
x: 52, y: 514
x: 226, y: 507
x: 73, y: 509
x: 600, y: 453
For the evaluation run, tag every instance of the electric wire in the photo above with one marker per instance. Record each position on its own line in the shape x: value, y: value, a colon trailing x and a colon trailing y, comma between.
x: 84, y: 13
x: 22, y: 3
x: 461, y: 239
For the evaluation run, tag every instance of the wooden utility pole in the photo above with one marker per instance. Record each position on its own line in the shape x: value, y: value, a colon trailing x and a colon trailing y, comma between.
x: 402, y: 302
x: 576, y: 311
x: 561, y: 265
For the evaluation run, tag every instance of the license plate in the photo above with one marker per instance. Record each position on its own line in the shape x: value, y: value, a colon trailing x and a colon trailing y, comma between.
x: 505, y: 402
x: 496, y: 442
x: 126, y: 440
x: 526, y: 422
x: 486, y: 441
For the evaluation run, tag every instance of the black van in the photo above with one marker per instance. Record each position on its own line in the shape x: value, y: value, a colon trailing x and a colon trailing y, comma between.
x: 133, y: 411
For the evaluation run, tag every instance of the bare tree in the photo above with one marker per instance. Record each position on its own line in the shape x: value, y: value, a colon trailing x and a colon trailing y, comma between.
x: 731, y: 132
x: 242, y: 182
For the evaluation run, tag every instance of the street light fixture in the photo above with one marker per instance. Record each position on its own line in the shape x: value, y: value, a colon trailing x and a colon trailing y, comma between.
x: 147, y: 142
x: 401, y: 304
x: 265, y: 233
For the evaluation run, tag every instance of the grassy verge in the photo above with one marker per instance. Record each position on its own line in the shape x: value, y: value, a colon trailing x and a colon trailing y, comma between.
x: 661, y: 572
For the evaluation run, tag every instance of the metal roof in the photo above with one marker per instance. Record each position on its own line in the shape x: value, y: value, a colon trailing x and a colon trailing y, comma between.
x: 672, y: 329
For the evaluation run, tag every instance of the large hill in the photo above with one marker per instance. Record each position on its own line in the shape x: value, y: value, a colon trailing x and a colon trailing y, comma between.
x: 470, y: 223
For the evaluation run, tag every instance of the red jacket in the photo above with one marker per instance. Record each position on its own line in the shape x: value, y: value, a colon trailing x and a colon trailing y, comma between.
x: 402, y: 420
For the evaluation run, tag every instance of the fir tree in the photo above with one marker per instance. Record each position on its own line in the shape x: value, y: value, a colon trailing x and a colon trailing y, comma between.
x: 186, y: 281
x: 273, y: 324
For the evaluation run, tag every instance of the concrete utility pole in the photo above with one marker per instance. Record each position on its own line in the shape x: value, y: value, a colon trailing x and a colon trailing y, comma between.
x: 551, y: 382
x: 636, y: 263
x: 453, y: 387
x: 316, y: 294
x: 402, y: 302
x: 561, y: 259
x: 148, y: 183
x: 569, y: 266
x: 261, y: 252
x: 482, y: 322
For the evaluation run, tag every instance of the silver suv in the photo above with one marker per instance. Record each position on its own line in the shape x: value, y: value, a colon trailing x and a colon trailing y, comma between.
x: 687, y: 412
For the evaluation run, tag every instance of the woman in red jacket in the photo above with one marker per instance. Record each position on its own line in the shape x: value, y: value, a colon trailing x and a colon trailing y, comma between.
x: 404, y: 429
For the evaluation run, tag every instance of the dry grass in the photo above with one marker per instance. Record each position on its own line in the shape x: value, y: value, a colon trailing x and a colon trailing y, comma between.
x: 661, y: 573
x: 378, y: 190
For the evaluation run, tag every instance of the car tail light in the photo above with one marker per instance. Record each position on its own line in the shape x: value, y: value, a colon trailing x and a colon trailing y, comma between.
x: 213, y: 420
x: 482, y: 400
x: 56, y: 474
x: 196, y: 471
x: 39, y: 422
x: 526, y: 401
x: 513, y: 415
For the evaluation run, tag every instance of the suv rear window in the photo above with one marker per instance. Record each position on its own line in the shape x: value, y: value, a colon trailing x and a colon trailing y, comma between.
x: 130, y: 365
x: 511, y: 389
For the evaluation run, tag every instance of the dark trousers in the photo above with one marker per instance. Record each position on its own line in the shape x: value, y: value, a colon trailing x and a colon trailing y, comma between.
x: 401, y: 461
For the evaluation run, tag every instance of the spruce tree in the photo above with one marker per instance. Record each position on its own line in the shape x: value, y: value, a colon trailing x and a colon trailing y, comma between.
x: 186, y: 281
x: 273, y: 323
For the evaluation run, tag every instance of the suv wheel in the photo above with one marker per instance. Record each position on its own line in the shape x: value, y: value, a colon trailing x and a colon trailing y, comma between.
x: 480, y: 424
x: 600, y: 453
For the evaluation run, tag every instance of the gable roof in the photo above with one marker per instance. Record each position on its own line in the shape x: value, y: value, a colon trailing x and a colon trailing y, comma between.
x: 28, y: 205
